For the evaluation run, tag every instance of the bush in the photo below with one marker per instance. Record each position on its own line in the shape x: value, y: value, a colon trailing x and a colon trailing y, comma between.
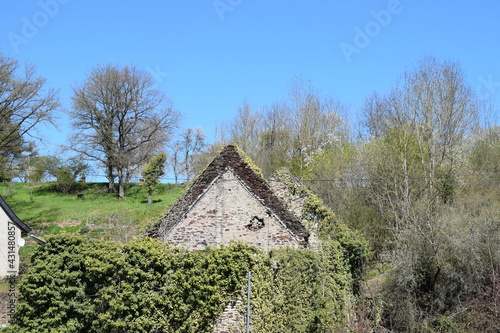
x: 88, y: 285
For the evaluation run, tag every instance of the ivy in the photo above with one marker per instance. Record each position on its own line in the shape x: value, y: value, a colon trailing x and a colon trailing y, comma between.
x: 91, y: 285
x: 329, y: 229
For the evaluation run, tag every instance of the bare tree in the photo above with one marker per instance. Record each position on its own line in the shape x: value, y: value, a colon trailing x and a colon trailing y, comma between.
x: 246, y: 127
x: 315, y: 121
x: 193, y: 141
x: 24, y: 103
x: 121, y: 120
x: 175, y: 159
x: 290, y: 132
x: 183, y: 153
x: 275, y: 139
x: 414, y: 161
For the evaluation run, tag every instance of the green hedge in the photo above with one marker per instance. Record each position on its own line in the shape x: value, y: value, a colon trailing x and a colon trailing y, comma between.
x: 86, y: 285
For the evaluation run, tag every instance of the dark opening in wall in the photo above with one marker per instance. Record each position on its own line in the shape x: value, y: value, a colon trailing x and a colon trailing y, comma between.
x: 256, y: 223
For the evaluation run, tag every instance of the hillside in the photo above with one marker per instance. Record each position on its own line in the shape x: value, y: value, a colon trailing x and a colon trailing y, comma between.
x: 48, y: 211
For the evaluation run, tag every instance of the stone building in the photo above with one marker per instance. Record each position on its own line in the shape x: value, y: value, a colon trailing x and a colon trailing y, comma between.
x: 230, y: 201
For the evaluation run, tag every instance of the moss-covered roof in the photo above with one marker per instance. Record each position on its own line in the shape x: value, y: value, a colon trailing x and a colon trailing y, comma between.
x: 231, y: 157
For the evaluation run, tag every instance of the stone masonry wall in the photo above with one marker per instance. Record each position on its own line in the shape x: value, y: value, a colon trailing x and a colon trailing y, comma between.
x: 295, y: 203
x: 231, y: 320
x: 227, y: 212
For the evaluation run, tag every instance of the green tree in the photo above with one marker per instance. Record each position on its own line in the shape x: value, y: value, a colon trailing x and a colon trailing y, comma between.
x: 416, y: 164
x: 152, y: 173
x: 66, y: 172
x: 34, y: 168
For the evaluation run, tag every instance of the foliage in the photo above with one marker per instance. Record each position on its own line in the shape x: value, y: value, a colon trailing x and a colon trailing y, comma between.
x: 143, y: 286
x: 435, y: 267
x: 152, y: 172
x: 249, y: 161
x: 416, y: 162
x: 354, y: 248
x: 421, y: 186
x: 481, y: 310
x: 330, y: 229
x: 89, y: 285
x: 38, y: 167
x: 67, y: 172
x: 300, y: 291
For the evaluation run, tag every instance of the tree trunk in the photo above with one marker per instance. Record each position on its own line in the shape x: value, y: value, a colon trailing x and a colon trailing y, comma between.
x: 111, y: 179
x: 121, y: 185
x: 150, y: 199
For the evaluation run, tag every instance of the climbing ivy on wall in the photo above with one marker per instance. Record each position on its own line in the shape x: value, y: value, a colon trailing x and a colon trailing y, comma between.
x: 78, y: 285
x: 86, y: 285
x: 300, y: 291
x: 332, y: 232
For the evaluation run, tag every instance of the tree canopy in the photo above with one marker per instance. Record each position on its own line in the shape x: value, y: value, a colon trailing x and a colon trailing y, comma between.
x: 121, y: 120
x: 25, y: 103
x: 152, y: 172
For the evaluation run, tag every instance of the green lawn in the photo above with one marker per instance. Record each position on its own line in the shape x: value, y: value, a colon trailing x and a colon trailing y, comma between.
x: 41, y: 207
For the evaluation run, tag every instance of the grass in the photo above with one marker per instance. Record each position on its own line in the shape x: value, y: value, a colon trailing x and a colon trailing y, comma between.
x: 99, y: 214
x: 42, y: 207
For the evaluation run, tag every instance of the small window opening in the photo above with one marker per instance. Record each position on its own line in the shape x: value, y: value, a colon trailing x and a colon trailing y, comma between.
x: 256, y: 223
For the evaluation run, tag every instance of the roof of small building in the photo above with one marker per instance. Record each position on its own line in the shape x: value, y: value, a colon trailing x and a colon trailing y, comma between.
x: 13, y: 217
x: 230, y: 157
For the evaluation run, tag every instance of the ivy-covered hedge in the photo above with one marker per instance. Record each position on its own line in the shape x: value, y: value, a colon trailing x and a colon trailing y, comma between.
x: 300, y: 291
x: 84, y: 285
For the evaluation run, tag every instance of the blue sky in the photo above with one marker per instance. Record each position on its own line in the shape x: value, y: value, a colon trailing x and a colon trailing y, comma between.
x: 208, y: 56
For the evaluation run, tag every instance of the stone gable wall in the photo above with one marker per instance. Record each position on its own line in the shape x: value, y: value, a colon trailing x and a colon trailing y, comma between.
x: 227, y: 212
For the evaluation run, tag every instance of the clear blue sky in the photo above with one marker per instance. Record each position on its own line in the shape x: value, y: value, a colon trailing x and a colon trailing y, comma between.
x: 208, y: 56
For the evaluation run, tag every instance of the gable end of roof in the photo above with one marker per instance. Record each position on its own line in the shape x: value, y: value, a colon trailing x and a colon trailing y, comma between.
x: 255, y: 184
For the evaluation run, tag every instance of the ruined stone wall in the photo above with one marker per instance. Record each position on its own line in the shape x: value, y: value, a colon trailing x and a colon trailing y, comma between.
x: 295, y: 203
x: 227, y: 212
x: 231, y: 320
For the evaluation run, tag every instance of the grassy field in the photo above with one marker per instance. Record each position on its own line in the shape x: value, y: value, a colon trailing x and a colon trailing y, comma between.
x: 46, y: 210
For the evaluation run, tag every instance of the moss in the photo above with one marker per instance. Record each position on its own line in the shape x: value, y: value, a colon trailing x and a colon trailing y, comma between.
x: 248, y: 160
